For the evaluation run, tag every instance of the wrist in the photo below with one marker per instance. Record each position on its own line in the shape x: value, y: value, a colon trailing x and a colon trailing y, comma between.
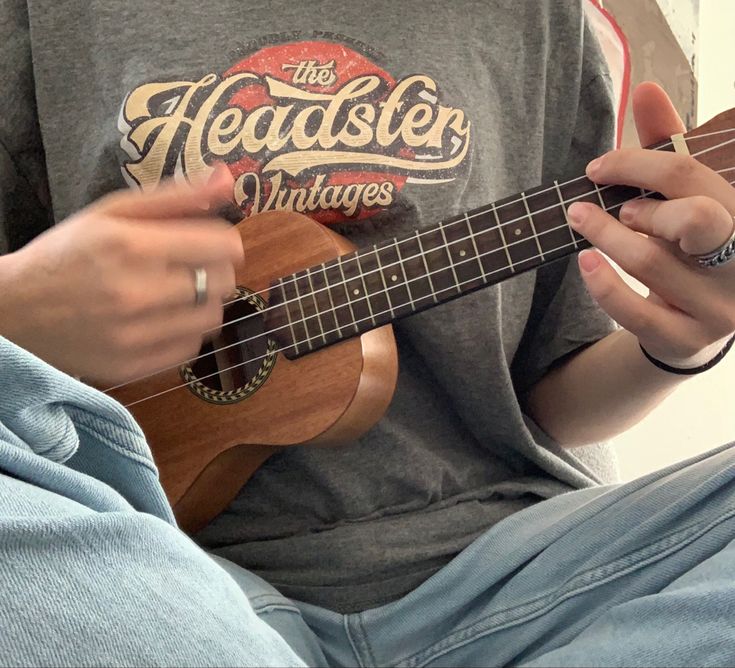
x: 11, y: 300
x: 696, y: 364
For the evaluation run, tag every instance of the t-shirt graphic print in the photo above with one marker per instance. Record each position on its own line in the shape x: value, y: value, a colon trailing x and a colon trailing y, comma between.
x: 308, y: 126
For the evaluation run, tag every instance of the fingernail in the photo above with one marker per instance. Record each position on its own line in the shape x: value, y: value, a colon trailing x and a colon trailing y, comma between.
x: 576, y: 214
x: 593, y: 167
x: 629, y: 211
x: 589, y: 260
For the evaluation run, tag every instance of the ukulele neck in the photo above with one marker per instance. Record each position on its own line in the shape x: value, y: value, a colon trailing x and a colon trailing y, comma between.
x: 374, y: 286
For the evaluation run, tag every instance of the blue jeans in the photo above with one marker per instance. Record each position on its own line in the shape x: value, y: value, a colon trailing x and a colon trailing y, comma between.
x: 93, y: 571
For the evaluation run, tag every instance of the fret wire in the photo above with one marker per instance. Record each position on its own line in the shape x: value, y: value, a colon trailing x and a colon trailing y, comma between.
x: 385, y: 285
x: 331, y: 301
x: 533, y: 227
x: 564, y: 210
x: 449, y: 256
x: 316, y: 306
x: 290, y: 324
x: 367, y: 292
x: 599, y: 195
x: 502, y: 237
x: 397, y: 243
x: 288, y: 315
x: 279, y: 350
x: 347, y: 294
x: 470, y: 259
x: 403, y: 271
x: 423, y: 257
x: 570, y: 181
x: 296, y: 344
x: 301, y: 308
x: 474, y: 245
x: 500, y: 226
x: 495, y: 271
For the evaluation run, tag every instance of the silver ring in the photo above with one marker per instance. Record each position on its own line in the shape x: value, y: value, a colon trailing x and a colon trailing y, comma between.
x: 200, y: 286
x: 720, y: 256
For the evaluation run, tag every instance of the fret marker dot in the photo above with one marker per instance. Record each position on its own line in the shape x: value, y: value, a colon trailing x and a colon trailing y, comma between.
x: 518, y: 231
x: 394, y: 278
x: 355, y: 292
x: 462, y: 253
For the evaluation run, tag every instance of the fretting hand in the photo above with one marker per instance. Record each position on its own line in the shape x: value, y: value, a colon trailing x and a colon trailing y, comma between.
x: 689, y: 314
x: 110, y: 294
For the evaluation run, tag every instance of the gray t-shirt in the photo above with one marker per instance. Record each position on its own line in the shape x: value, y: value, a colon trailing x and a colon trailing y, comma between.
x: 395, y: 115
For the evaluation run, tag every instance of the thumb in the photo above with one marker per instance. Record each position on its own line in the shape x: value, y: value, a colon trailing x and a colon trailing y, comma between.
x: 656, y: 118
x: 171, y: 199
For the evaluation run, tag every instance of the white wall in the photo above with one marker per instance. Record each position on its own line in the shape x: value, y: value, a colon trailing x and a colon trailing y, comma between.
x: 682, y: 16
x: 716, y: 71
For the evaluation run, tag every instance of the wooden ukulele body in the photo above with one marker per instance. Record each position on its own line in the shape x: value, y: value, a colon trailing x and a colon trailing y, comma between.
x: 206, y: 451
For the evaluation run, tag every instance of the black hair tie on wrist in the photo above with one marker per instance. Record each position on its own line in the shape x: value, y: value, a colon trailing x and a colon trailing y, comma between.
x: 695, y: 370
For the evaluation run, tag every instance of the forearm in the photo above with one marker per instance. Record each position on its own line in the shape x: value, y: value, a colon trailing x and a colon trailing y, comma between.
x: 11, y: 303
x: 600, y: 392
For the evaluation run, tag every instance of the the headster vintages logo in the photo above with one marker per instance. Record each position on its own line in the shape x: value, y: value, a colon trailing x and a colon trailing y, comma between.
x: 308, y: 126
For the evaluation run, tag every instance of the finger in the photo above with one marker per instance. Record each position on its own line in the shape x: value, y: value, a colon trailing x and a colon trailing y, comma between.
x: 655, y: 117
x: 698, y: 225
x: 171, y: 199
x: 650, y: 322
x: 192, y: 323
x: 174, y: 289
x: 164, y: 354
x: 642, y: 257
x: 671, y: 174
x: 194, y: 243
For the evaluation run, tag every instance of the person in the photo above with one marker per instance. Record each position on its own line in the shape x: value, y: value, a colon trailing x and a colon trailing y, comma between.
x: 477, y: 523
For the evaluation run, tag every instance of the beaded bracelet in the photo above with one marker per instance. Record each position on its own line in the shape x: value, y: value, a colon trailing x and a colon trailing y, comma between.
x: 695, y: 370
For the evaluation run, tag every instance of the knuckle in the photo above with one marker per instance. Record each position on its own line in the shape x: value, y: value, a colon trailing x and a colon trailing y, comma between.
x: 226, y: 283
x: 704, y: 209
x: 232, y: 244
x: 192, y: 348
x: 109, y: 201
x: 604, y: 289
x: 186, y: 348
x: 646, y: 325
x: 213, y: 316
x: 117, y: 242
x: 682, y: 167
x: 123, y: 339
x: 648, y: 260
x: 113, y: 293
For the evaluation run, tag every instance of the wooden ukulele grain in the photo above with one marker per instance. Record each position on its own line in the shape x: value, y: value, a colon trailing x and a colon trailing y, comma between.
x: 205, y: 452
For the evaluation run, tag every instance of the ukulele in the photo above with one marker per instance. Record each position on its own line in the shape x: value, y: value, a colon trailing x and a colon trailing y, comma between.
x: 311, y: 311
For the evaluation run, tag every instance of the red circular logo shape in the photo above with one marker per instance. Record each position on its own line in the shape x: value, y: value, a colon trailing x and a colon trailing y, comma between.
x: 320, y: 68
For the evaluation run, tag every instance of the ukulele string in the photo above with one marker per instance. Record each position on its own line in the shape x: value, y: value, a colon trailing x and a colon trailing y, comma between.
x: 331, y: 331
x: 510, y: 222
x: 343, y: 284
x: 337, y: 330
x: 316, y: 314
x: 260, y: 313
x: 520, y: 199
x: 464, y: 220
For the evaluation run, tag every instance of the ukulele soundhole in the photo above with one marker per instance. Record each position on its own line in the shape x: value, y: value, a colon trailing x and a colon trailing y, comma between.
x: 236, y: 363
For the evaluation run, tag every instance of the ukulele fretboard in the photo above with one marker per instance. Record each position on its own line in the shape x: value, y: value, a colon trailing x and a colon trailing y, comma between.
x: 371, y: 287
